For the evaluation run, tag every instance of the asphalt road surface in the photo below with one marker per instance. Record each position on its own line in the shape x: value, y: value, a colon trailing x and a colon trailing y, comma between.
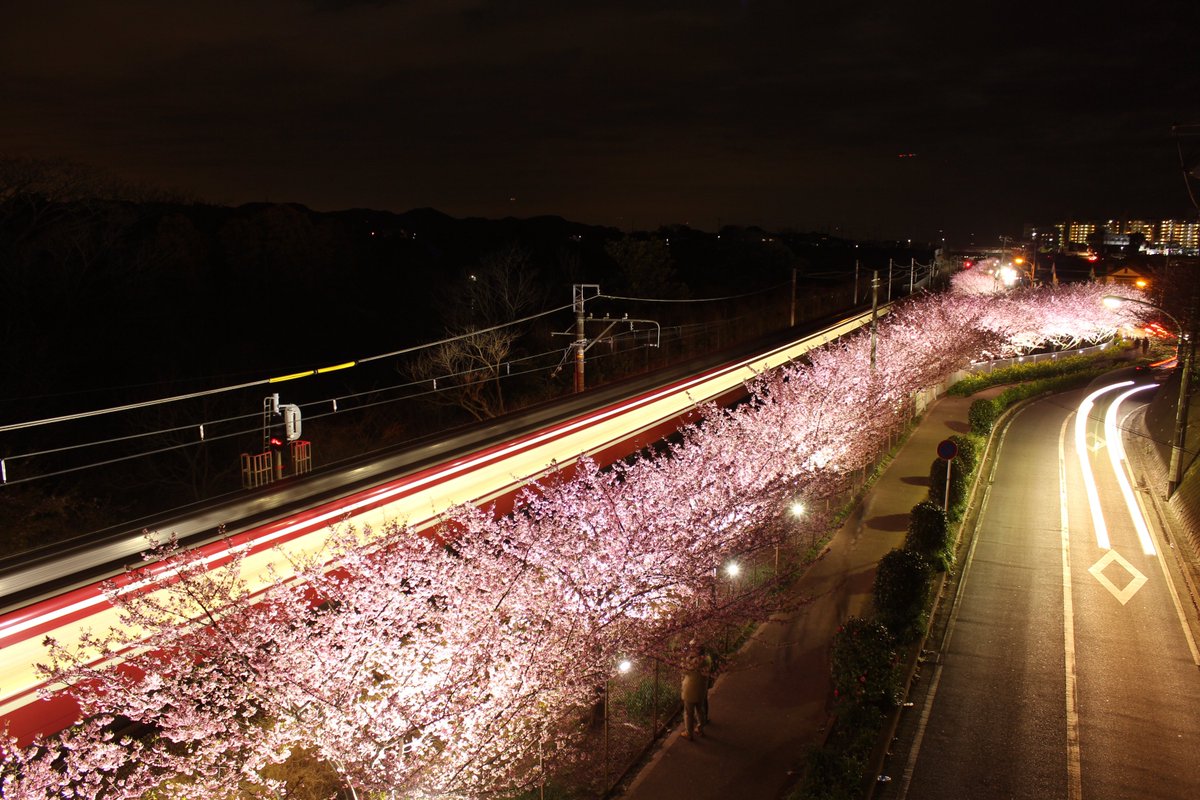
x: 1070, y: 667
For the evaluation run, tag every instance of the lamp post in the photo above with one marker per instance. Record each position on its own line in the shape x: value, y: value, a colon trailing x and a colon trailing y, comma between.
x: 797, y: 508
x: 623, y: 666
x: 874, y: 312
x: 1183, y: 360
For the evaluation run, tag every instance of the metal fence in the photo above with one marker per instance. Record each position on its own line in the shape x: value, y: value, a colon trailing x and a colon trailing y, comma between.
x: 1000, y: 363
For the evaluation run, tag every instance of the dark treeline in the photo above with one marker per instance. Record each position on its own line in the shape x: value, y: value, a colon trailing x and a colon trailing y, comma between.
x: 116, y: 294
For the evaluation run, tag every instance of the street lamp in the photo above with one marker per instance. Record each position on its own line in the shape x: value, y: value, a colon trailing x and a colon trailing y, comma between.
x: 623, y: 667
x: 1181, y: 359
x: 797, y: 509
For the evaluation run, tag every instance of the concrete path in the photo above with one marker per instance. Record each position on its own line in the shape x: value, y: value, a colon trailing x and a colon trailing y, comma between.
x: 772, y: 703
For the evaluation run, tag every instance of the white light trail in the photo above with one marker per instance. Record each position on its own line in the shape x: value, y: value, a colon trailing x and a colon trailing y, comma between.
x: 1089, y: 480
x: 1116, y: 454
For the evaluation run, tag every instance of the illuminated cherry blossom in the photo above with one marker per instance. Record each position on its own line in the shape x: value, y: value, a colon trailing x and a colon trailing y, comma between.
x: 452, y: 664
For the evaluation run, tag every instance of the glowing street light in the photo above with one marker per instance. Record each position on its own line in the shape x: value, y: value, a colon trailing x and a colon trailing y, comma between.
x: 1175, y: 473
x: 623, y: 667
x: 733, y: 569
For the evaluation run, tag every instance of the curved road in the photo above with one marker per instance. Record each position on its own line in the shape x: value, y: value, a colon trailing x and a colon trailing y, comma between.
x: 1070, y: 667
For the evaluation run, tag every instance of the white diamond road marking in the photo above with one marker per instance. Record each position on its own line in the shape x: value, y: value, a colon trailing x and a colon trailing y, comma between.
x: 1096, y: 443
x: 1131, y: 588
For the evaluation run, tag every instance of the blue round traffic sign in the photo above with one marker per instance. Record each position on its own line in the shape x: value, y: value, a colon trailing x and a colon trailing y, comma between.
x: 947, y: 449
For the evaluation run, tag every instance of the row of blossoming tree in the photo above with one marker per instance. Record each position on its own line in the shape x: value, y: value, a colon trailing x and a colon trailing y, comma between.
x: 461, y: 664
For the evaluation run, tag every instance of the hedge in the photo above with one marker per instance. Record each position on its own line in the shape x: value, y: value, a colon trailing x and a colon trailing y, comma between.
x: 866, y: 679
x: 864, y: 664
x: 984, y: 413
x: 902, y: 583
x: 928, y: 531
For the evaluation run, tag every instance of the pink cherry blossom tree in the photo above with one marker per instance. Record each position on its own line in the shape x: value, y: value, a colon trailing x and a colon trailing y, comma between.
x: 458, y: 662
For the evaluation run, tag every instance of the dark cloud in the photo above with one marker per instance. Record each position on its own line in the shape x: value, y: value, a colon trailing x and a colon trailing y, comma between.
x: 777, y: 113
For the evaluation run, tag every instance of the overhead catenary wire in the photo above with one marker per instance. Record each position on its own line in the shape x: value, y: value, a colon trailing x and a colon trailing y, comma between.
x: 208, y: 423
x: 266, y: 381
x: 250, y: 431
x: 683, y: 332
x: 321, y: 370
x: 691, y: 299
x: 463, y: 336
x: 209, y: 437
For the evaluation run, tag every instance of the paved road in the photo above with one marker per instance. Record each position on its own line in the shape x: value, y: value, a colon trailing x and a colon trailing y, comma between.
x: 1070, y: 670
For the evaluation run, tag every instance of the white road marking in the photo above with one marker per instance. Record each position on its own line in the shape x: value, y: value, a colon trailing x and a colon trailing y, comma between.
x: 1074, y: 766
x: 1183, y: 621
x: 1137, y: 579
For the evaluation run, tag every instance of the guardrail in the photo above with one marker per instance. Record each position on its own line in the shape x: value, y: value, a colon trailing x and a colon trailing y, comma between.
x: 1000, y: 363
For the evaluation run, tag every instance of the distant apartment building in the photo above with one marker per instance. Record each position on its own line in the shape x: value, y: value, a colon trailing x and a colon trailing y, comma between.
x: 1174, y: 236
x: 1078, y: 233
x: 1185, y: 234
x: 1046, y: 237
x: 1130, y: 226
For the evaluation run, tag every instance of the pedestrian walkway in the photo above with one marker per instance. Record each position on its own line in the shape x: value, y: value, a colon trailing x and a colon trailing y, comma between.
x: 772, y: 703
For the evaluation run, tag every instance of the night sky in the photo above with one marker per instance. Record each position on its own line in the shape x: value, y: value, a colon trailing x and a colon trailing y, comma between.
x: 633, y: 114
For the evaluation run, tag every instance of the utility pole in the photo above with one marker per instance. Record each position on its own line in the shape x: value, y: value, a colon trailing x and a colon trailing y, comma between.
x: 855, y: 283
x: 580, y: 292
x: 874, y: 311
x: 912, y: 273
x: 1185, y: 356
x: 1033, y: 260
x: 580, y: 337
x: 889, y: 280
x: 793, y: 317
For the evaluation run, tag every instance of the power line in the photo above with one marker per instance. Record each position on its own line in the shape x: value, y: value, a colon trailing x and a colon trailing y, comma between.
x: 206, y: 437
x: 463, y: 336
x: 129, y: 407
x: 694, y: 299
x: 247, y: 432
x: 279, y: 379
x: 212, y: 423
x: 683, y: 332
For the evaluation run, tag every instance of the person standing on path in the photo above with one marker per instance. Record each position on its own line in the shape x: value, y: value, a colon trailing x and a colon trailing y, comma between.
x: 708, y: 668
x: 694, y: 693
